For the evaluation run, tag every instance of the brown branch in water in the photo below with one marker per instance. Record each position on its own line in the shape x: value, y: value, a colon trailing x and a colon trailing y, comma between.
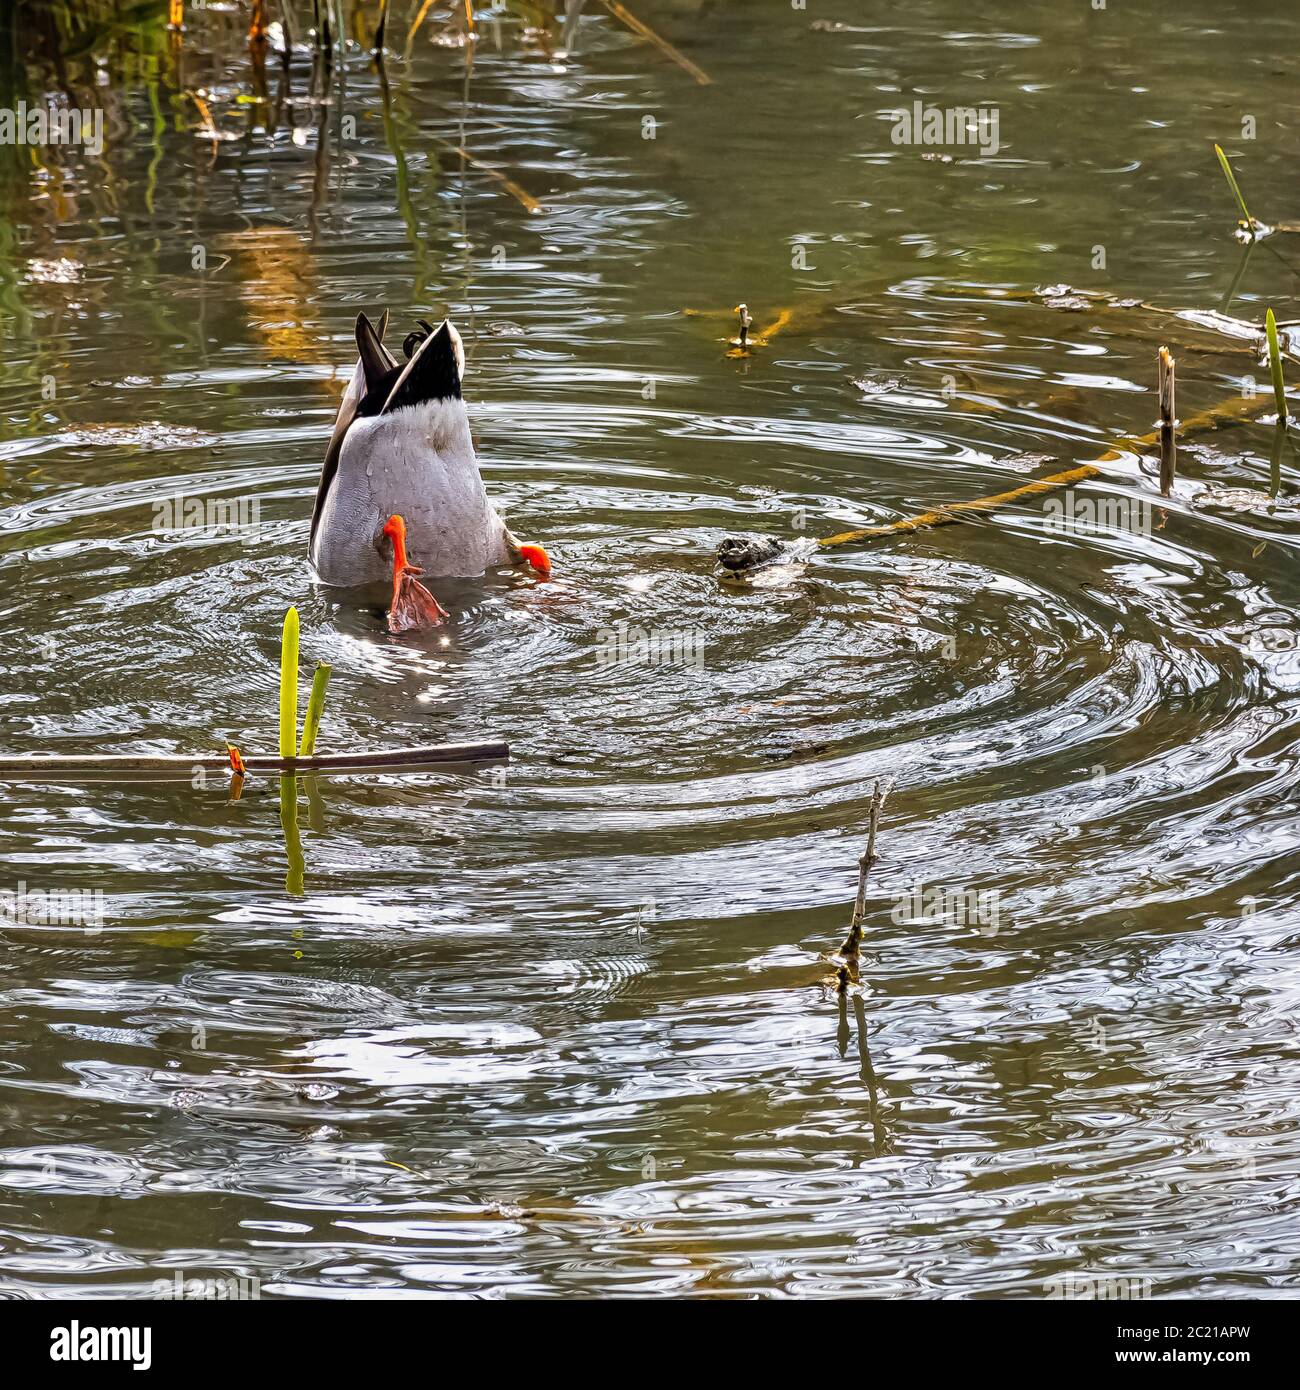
x: 209, y: 127
x: 642, y: 29
x: 257, y: 25
x: 58, y: 766
x: 522, y: 196
x: 850, y: 953
x: 415, y: 27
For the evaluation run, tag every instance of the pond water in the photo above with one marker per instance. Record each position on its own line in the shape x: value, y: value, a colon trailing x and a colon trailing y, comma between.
x: 559, y: 1027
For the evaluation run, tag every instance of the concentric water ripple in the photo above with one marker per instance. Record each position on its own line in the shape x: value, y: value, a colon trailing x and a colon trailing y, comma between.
x: 559, y: 1027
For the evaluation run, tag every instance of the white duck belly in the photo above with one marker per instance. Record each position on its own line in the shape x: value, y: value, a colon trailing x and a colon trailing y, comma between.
x: 419, y: 463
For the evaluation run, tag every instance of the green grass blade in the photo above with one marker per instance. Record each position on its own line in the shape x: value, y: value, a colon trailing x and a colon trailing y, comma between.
x: 1275, y: 366
x: 315, y: 708
x: 289, y: 685
x: 1232, y: 183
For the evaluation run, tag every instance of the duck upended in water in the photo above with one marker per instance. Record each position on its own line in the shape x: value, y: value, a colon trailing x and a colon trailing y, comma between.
x: 401, y: 450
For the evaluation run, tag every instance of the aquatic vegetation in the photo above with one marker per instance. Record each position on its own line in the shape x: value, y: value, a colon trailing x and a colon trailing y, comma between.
x: 1275, y: 368
x: 315, y: 708
x: 1248, y: 224
x: 289, y: 685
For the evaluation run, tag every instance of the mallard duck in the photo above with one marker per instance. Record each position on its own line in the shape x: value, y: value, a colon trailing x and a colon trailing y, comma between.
x: 401, y: 452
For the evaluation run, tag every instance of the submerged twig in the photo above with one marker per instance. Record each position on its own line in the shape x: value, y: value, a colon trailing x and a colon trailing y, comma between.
x: 642, y: 29
x: 415, y: 26
x: 521, y: 196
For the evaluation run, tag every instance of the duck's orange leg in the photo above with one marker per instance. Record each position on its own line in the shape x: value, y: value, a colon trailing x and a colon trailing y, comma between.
x: 413, y: 606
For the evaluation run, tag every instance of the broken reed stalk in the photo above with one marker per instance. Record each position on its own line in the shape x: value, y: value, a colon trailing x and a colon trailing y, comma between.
x: 315, y: 708
x: 289, y: 685
x: 381, y: 26
x: 1168, y: 419
x: 1275, y: 367
x: 1250, y: 222
x: 850, y: 952
x: 1165, y: 376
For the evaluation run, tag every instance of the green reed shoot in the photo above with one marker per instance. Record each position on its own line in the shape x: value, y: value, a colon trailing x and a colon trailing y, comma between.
x: 289, y: 685
x: 1232, y: 183
x: 1275, y: 366
x: 315, y: 708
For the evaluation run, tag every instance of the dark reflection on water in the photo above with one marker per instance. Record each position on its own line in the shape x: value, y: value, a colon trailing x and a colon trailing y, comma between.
x: 558, y: 1028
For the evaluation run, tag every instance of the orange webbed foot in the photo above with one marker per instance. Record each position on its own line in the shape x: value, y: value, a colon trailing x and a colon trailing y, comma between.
x: 537, y: 557
x: 413, y: 606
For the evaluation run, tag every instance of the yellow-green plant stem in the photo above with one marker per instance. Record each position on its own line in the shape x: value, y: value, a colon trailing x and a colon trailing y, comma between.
x: 289, y: 685
x: 1275, y: 366
x: 315, y: 708
x: 1232, y: 183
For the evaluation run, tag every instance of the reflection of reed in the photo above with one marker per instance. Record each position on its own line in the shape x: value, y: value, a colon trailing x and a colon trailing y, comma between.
x: 293, y: 882
x: 277, y: 283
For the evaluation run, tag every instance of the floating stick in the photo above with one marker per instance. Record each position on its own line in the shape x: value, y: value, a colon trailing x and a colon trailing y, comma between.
x: 289, y: 685
x: 764, y: 549
x: 955, y: 511
x: 315, y: 708
x: 58, y: 765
